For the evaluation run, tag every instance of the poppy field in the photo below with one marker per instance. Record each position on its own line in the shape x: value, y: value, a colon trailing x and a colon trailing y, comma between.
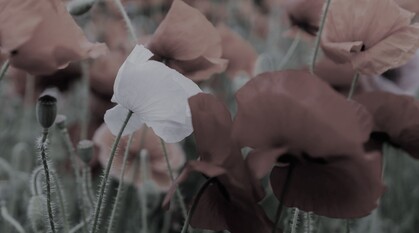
x: 200, y: 116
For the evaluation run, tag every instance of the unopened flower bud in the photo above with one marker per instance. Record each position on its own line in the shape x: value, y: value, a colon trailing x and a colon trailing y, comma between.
x: 61, y: 122
x: 85, y: 150
x: 46, y: 110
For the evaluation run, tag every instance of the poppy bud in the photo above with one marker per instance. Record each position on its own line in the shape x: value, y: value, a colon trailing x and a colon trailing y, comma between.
x: 79, y: 7
x: 85, y: 150
x: 46, y: 110
x: 61, y: 122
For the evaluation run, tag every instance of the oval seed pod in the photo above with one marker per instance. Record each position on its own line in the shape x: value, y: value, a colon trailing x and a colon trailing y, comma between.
x: 37, y: 213
x: 79, y: 7
x: 46, y: 110
x: 85, y: 150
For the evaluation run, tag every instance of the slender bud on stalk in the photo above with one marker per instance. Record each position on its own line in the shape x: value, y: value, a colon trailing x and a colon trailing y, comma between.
x: 46, y: 110
x: 85, y: 150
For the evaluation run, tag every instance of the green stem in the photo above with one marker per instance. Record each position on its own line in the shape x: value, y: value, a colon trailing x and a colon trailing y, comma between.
x: 290, y: 52
x: 172, y: 178
x: 353, y: 86
x: 104, y: 182
x: 128, y: 22
x: 319, y: 35
x: 143, y: 193
x: 47, y: 179
x: 282, y: 197
x: 348, y: 226
x: 121, y: 183
x: 85, y: 112
x: 61, y: 198
x: 8, y: 218
x: 195, y: 203
x: 4, y: 69
x: 295, y: 220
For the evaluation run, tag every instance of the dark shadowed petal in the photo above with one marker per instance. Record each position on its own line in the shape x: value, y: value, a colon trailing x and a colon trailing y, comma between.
x: 397, y: 116
x: 343, y: 187
x: 299, y: 111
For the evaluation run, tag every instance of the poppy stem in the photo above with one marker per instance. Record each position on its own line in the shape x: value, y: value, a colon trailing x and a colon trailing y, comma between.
x: 104, y: 182
x: 353, y: 86
x: 120, y: 184
x: 85, y: 116
x: 127, y: 20
x: 4, y: 69
x: 8, y: 218
x: 172, y: 178
x: 348, y: 226
x: 43, y: 148
x: 319, y: 35
x: 143, y: 193
x: 195, y: 203
x: 290, y: 52
x: 282, y: 197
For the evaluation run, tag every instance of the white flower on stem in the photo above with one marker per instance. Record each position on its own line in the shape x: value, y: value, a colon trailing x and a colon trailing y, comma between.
x: 156, y: 94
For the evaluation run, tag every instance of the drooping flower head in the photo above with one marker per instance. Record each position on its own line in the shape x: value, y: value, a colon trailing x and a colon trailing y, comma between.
x: 41, y: 37
x: 187, y: 42
x: 156, y: 94
x: 303, y: 16
x: 294, y: 119
x: 396, y: 119
x: 230, y: 201
x: 386, y: 41
x: 159, y: 175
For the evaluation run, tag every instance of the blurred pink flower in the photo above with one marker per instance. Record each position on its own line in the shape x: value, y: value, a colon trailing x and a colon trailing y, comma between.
x: 159, y: 175
x: 41, y: 37
x: 387, y: 41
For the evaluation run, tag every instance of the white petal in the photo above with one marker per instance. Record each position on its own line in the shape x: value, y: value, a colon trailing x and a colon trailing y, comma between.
x: 138, y: 55
x: 115, y: 117
x: 170, y: 131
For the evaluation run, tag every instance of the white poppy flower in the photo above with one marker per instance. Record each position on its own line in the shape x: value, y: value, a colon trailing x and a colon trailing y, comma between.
x: 156, y: 94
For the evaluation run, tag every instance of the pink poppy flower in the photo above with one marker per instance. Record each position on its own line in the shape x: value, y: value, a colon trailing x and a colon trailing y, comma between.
x: 396, y: 119
x: 410, y: 5
x: 303, y: 16
x: 50, y: 40
x: 387, y: 41
x: 230, y: 201
x: 159, y: 175
x: 186, y: 41
x: 240, y: 54
x: 295, y: 119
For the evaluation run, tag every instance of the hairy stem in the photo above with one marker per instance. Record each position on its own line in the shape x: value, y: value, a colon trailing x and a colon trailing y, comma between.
x: 121, y: 184
x: 319, y: 35
x: 127, y: 20
x: 143, y: 193
x: 61, y: 201
x: 172, y: 178
x: 104, y: 181
x: 294, y: 222
x: 47, y: 178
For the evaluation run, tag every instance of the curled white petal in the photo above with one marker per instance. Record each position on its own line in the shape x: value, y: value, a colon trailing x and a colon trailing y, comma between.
x: 115, y: 117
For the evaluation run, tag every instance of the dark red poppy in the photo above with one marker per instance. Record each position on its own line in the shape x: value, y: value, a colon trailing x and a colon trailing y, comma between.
x: 295, y: 119
x: 230, y: 202
x: 396, y: 119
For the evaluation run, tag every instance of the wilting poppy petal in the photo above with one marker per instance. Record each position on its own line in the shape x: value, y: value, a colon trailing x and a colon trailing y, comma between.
x: 410, y: 5
x: 346, y: 187
x: 387, y: 41
x: 47, y: 42
x: 297, y: 110
x: 396, y: 116
x: 155, y: 93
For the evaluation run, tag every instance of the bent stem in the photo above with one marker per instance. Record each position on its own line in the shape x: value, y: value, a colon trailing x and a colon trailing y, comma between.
x: 8, y: 218
x: 128, y: 22
x: 290, y: 52
x: 282, y: 197
x: 172, y: 178
x: 121, y: 183
x: 353, y: 86
x: 47, y: 178
x: 195, y: 203
x: 319, y: 35
x: 104, y: 182
x: 4, y: 69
